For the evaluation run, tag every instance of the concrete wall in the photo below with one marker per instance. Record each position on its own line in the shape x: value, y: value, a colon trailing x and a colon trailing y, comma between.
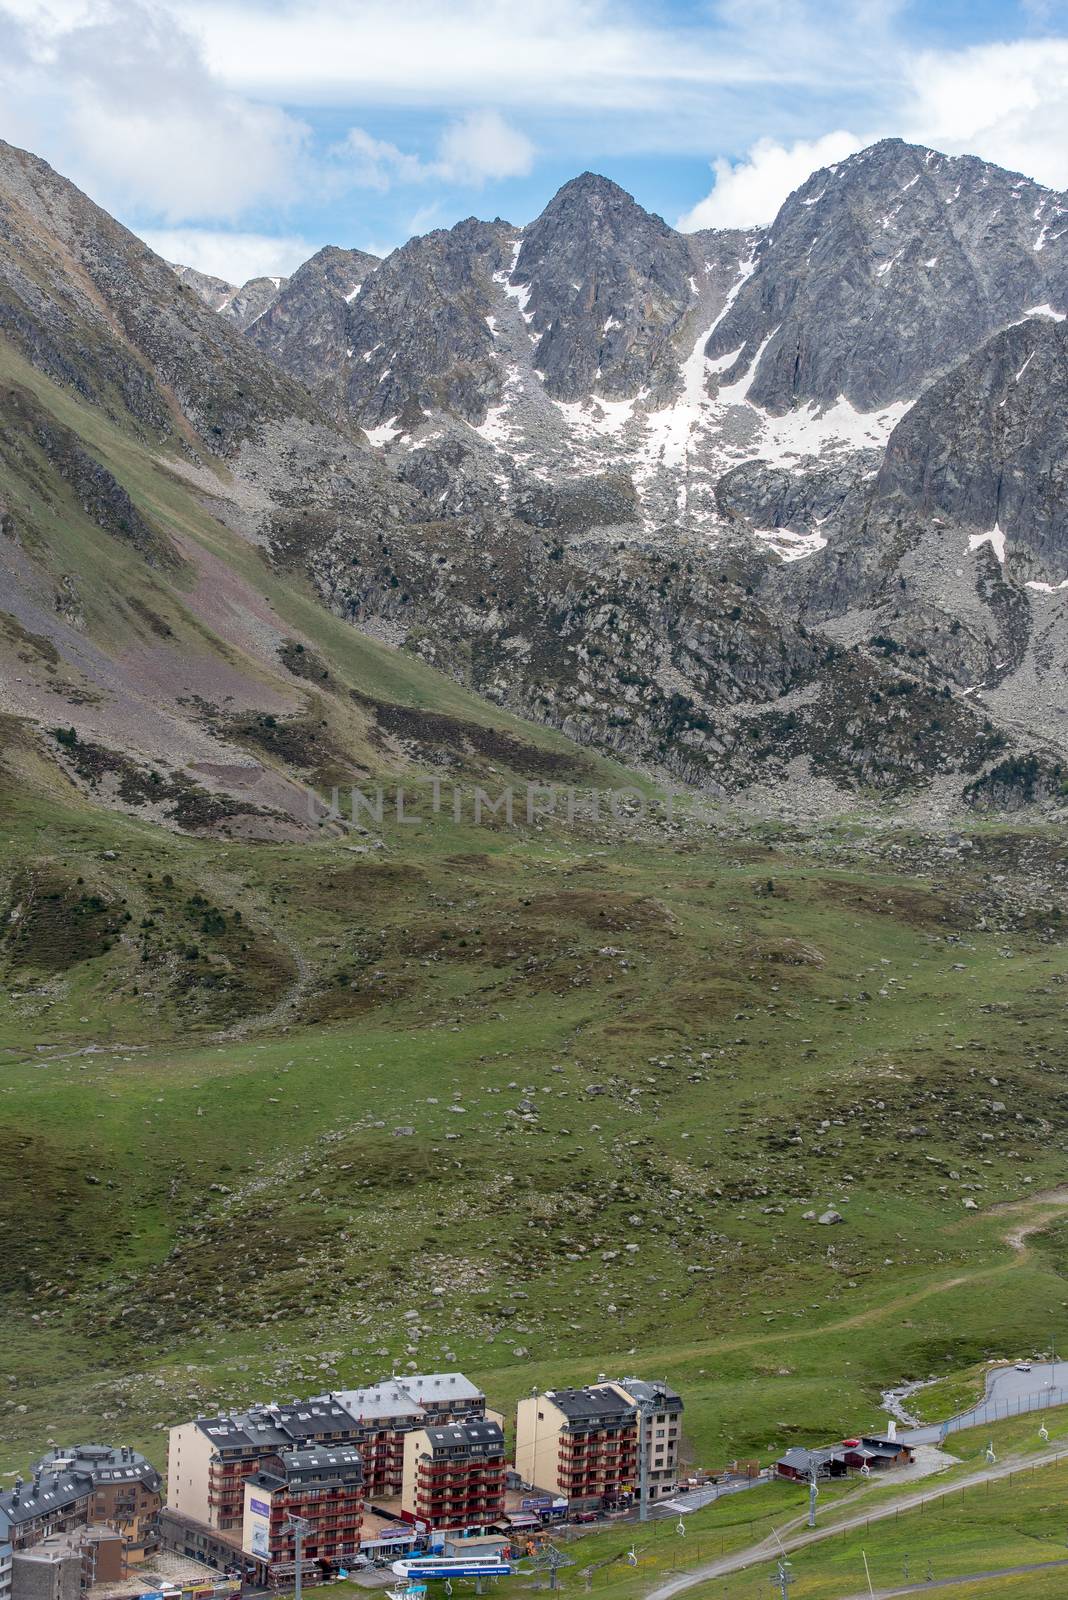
x: 41, y: 1575
x: 416, y: 1444
x: 538, y: 1424
x: 189, y: 1455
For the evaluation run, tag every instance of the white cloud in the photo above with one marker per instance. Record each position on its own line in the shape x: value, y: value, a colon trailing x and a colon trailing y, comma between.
x: 1005, y: 102
x: 585, y: 55
x: 233, y: 256
x: 372, y: 163
x: 125, y: 105
x: 478, y: 146
x: 482, y: 145
x: 750, y: 192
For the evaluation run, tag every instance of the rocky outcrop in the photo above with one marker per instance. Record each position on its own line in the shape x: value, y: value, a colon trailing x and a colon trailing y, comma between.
x: 985, y: 448
x: 305, y: 325
x: 27, y: 433
x: 242, y: 306
x: 215, y: 292
x: 886, y: 270
x: 418, y: 336
x: 607, y: 286
x: 248, y: 304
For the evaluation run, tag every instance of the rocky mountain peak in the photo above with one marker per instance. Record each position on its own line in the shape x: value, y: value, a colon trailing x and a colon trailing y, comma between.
x: 608, y: 284
x: 305, y: 326
x: 590, y: 191
x: 418, y: 338
x: 885, y: 270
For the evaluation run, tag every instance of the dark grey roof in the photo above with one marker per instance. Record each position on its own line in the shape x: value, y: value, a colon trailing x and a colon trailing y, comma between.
x: 101, y: 1464
x: 803, y: 1460
x: 344, y: 1411
x: 266, y: 1480
x: 242, y: 1430
x: 52, y: 1492
x: 64, y: 1476
x: 480, y: 1438
x: 321, y: 1458
x: 264, y: 1426
x: 590, y: 1405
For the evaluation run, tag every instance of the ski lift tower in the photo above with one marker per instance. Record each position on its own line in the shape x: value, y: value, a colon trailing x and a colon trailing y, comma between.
x: 550, y: 1559
x: 298, y: 1527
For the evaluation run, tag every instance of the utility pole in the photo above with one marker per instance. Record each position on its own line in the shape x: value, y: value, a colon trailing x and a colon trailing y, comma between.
x: 813, y: 1495
x: 534, y: 1394
x: 783, y: 1578
x: 298, y: 1527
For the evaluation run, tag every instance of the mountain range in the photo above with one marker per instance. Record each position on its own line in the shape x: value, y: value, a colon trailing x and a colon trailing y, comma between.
x: 777, y: 513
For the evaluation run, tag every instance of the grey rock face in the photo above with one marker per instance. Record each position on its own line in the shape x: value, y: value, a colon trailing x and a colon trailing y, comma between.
x: 609, y: 285
x: 418, y: 331
x: 305, y: 326
x: 796, y: 499
x: 247, y: 304
x: 605, y: 567
x: 215, y: 292
x: 886, y: 270
x: 90, y: 304
x: 986, y: 446
x: 241, y: 306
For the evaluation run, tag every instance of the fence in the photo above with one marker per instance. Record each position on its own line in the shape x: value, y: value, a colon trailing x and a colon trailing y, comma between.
x: 998, y: 1410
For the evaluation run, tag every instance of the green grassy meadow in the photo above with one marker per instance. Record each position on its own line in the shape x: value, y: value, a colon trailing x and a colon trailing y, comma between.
x: 496, y: 1060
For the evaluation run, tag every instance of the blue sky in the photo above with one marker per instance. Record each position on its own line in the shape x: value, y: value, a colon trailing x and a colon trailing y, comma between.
x: 239, y: 135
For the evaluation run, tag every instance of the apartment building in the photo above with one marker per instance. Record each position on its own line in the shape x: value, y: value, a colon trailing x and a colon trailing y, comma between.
x: 50, y: 1570
x: 382, y: 1415
x: 454, y: 1476
x: 660, y: 1431
x: 581, y: 1444
x: 211, y: 1458
x: 117, y: 1489
x: 5, y: 1557
x: 321, y: 1485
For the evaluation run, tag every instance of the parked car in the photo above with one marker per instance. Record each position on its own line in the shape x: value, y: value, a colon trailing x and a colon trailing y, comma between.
x: 585, y: 1516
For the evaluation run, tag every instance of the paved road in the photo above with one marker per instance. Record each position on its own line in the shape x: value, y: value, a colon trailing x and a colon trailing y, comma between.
x: 1009, y: 1393
x: 953, y: 1583
x: 795, y: 1536
x: 696, y: 1499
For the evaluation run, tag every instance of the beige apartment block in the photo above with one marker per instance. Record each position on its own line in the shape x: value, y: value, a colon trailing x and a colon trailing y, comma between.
x: 581, y: 1444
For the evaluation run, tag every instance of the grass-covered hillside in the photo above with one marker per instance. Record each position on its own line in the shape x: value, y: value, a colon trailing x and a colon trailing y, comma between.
x: 286, y: 1104
x: 538, y: 1103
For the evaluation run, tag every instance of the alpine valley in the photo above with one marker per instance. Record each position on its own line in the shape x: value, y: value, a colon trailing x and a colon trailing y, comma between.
x: 778, y: 514
x: 777, y: 519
